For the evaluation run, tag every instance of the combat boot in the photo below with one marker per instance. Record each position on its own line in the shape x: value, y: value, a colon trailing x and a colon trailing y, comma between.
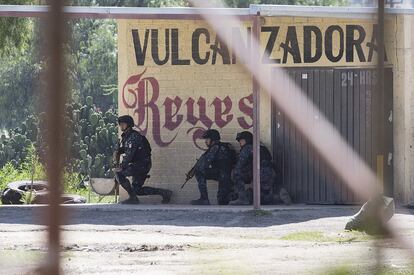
x: 284, y: 196
x: 242, y: 200
x: 131, y: 200
x: 200, y: 201
x: 166, y: 196
x: 203, y: 200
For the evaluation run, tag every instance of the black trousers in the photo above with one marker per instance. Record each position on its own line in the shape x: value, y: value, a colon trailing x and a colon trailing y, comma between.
x: 225, y: 185
x: 139, y: 175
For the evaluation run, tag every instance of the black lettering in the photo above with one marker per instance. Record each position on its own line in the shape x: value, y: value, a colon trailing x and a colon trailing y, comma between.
x: 240, y: 45
x: 196, y: 46
x: 140, y: 50
x: 220, y: 48
x: 155, y: 47
x: 175, y: 49
x: 328, y: 43
x: 291, y: 46
x: 352, y: 43
x: 307, y: 44
x: 373, y: 45
x: 270, y: 45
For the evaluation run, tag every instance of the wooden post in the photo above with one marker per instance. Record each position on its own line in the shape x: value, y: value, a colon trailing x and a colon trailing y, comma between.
x: 381, y: 150
x: 55, y: 125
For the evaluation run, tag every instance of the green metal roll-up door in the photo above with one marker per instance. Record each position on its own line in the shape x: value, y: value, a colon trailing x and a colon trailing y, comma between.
x: 349, y: 100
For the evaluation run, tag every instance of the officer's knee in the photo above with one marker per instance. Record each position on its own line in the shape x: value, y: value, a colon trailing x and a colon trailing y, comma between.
x: 236, y: 175
x: 199, y: 175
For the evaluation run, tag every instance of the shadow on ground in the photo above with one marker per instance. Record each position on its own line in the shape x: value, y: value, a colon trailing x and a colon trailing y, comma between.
x: 227, y: 216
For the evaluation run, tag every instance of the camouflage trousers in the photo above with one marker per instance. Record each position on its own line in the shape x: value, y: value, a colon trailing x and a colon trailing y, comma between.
x: 241, y: 177
x: 139, y: 175
x: 225, y: 185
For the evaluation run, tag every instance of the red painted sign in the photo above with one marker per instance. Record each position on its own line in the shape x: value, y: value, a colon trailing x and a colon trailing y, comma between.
x: 143, y: 100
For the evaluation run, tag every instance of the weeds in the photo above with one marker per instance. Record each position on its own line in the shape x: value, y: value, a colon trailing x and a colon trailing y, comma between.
x: 28, y: 197
x: 260, y: 213
x: 317, y: 236
x: 32, y: 169
x: 385, y: 270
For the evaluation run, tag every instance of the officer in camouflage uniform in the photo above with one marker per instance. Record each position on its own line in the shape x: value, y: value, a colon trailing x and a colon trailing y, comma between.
x: 243, y: 171
x: 214, y: 164
x: 136, y: 162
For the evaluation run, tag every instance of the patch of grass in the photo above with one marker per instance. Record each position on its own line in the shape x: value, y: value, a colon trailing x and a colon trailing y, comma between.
x: 314, y: 236
x: 33, y: 169
x: 317, y: 236
x: 94, y: 198
x: 222, y: 266
x: 260, y: 213
x: 341, y: 270
x: 385, y: 270
x: 14, y: 257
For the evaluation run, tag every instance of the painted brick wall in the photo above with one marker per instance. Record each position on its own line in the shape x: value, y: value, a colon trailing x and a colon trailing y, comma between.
x: 168, y: 101
x: 185, y: 92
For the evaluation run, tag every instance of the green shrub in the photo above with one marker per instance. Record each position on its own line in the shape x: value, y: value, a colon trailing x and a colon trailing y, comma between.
x: 90, y: 147
x: 9, y: 173
x: 28, y: 197
x: 71, y: 181
x: 32, y: 168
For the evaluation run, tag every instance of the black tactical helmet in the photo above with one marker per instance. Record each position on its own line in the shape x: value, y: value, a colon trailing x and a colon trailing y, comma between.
x: 246, y: 135
x: 211, y: 134
x: 126, y: 119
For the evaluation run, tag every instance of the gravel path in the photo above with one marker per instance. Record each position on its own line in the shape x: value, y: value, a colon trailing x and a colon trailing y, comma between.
x: 155, y: 239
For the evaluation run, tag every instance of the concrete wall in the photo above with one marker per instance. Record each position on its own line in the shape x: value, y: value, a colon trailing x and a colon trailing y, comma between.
x: 403, y: 108
x: 197, y: 84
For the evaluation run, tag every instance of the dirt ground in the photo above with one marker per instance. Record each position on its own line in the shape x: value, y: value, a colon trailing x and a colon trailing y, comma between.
x: 155, y: 239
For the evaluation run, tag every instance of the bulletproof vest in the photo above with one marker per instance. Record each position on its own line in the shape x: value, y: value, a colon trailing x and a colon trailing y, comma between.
x: 143, y: 152
x: 226, y: 156
x: 265, y: 156
x: 231, y: 154
x: 146, y: 148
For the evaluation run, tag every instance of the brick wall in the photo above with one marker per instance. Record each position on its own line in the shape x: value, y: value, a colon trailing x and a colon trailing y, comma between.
x: 185, y: 92
x: 172, y: 102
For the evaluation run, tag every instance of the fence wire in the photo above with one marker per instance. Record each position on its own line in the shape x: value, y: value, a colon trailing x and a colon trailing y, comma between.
x: 325, y: 139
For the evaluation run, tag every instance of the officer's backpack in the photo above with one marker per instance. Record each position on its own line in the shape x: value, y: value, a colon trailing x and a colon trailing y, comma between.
x: 265, y: 154
x: 231, y: 153
x: 147, y: 146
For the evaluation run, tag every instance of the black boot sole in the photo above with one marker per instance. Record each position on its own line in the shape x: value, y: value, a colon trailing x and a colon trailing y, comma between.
x: 167, y: 198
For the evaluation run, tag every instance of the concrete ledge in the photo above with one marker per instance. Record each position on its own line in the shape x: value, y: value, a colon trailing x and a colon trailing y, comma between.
x: 172, y: 215
x: 177, y: 207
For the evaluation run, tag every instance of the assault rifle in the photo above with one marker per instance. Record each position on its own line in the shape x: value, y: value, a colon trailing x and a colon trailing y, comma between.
x: 116, y: 159
x: 189, y: 175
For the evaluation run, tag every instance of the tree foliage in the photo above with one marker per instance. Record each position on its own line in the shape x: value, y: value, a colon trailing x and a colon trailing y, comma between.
x: 14, y: 32
x: 130, y: 3
x: 246, y: 3
x: 19, y: 74
x: 92, y: 61
x: 91, y: 55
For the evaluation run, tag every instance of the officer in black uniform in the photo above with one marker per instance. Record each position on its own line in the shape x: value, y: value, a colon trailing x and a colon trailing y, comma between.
x: 136, y: 162
x: 243, y: 171
x: 214, y: 164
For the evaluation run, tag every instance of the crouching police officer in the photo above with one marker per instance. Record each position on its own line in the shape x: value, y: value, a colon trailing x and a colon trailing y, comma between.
x: 136, y: 162
x: 214, y: 164
x: 243, y: 171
